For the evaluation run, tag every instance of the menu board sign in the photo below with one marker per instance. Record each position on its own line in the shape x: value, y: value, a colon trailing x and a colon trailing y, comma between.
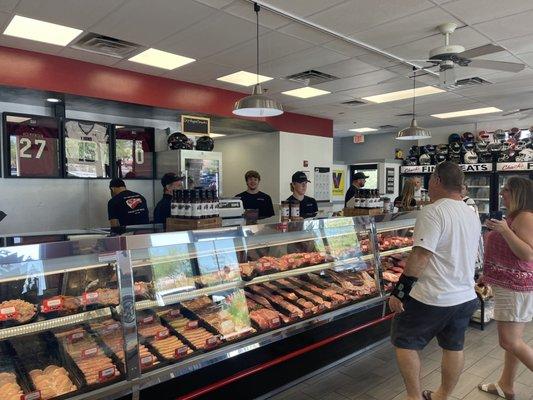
x: 195, y: 125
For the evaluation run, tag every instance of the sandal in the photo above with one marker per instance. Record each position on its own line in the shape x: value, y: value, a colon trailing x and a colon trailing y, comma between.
x: 426, y: 394
x: 497, y: 390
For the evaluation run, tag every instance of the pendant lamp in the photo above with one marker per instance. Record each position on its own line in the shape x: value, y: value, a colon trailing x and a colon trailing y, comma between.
x: 413, y: 132
x: 257, y: 105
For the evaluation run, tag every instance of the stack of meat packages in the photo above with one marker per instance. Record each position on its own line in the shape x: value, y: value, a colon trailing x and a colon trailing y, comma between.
x: 166, y: 344
x: 18, y: 311
x: 110, y: 332
x: 387, y: 243
x: 90, y: 358
x: 9, y: 387
x: 393, y: 267
x: 269, y: 265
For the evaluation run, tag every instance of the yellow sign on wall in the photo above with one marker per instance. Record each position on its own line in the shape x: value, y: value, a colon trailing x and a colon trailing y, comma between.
x: 337, y: 187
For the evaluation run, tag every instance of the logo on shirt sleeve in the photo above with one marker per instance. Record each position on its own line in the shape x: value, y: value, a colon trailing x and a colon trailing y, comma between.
x: 133, y: 203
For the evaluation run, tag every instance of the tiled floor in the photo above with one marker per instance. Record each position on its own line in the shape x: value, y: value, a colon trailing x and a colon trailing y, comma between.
x: 374, y: 375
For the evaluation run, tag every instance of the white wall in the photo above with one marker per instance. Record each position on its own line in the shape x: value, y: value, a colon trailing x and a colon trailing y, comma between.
x: 258, y: 152
x: 376, y: 147
x: 294, y: 149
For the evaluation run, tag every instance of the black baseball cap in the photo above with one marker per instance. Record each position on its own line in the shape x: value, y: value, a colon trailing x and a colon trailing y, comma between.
x: 300, y: 177
x: 117, y: 182
x: 170, y: 177
x: 360, y: 175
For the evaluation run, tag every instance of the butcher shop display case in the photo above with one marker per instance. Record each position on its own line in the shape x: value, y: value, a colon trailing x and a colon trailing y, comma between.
x: 104, y: 318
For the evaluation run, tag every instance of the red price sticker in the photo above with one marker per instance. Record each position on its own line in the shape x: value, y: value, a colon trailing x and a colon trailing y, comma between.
x: 75, y: 337
x: 308, y: 311
x: 274, y: 322
x: 192, y: 325
x: 181, y: 351
x: 162, y: 334
x: 321, y: 307
x: 293, y: 316
x: 106, y: 374
x: 212, y: 341
x: 8, y: 313
x: 31, y: 396
x: 90, y: 352
x: 50, y: 305
x: 90, y: 297
x: 148, y: 320
x: 147, y: 361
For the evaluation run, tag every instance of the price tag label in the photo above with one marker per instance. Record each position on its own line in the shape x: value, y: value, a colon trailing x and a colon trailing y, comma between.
x: 162, y: 334
x: 175, y: 313
x: 50, y: 305
x: 293, y: 316
x: 148, y: 320
x: 75, y: 337
x: 321, y: 307
x: 8, y: 313
x: 109, y: 329
x: 90, y: 297
x: 106, y: 374
x: 275, y: 322
x: 212, y: 341
x: 181, y: 351
x: 147, y: 361
x: 31, y: 396
x: 90, y: 352
x: 192, y: 325
x: 308, y: 311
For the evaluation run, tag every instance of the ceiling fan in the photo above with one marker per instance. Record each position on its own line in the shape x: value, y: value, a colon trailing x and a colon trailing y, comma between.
x: 450, y: 56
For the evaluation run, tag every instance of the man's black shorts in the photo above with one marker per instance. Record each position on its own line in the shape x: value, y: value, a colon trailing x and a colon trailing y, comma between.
x: 415, y: 327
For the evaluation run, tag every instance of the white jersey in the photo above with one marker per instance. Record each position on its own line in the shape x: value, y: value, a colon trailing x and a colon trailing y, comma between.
x: 86, y: 149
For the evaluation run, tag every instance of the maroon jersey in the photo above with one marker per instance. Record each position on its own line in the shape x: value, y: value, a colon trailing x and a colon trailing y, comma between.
x: 134, y: 152
x: 34, y: 146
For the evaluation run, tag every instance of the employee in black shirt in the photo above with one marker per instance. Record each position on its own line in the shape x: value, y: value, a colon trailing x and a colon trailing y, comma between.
x: 125, y: 207
x: 358, y: 182
x: 170, y: 182
x: 308, y: 206
x: 253, y: 199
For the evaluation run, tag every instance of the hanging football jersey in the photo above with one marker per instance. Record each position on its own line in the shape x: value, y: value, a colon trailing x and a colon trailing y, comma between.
x: 86, y: 149
x: 134, y: 152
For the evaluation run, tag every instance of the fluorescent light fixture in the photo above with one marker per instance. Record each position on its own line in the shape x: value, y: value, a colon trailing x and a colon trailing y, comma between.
x: 306, y: 92
x: 403, y: 94
x: 362, y: 130
x: 161, y: 59
x: 53, y: 100
x: 244, y: 78
x: 214, y: 135
x: 466, y: 113
x: 41, y: 31
x: 15, y: 119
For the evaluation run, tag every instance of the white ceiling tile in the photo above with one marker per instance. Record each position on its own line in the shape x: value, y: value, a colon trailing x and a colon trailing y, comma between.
x: 4, y: 20
x: 30, y: 45
x: 343, y: 47
x: 359, y: 81
x: 360, y: 15
x: 405, y: 30
x: 302, y: 8
x: 79, y: 14
x: 8, y: 5
x: 210, y: 36
x: 527, y: 58
x: 507, y: 27
x: 199, y: 72
x: 475, y: 11
x: 88, y: 57
x: 305, y: 33
x: 267, y: 18
x: 304, y: 60
x: 347, y: 68
x: 273, y: 45
x: 327, y: 99
x: 518, y: 45
x: 215, y: 3
x: 143, y: 69
x: 138, y: 22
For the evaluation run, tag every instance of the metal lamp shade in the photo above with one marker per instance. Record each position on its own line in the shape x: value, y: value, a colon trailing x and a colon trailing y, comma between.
x: 257, y: 105
x: 414, y: 132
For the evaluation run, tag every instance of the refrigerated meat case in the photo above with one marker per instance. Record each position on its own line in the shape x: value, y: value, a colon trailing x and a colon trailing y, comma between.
x: 199, y: 314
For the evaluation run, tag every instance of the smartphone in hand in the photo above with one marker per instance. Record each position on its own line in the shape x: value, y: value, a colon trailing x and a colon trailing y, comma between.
x: 496, y: 215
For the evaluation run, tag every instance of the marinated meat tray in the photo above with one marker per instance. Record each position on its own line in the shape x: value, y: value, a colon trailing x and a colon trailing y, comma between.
x: 269, y: 265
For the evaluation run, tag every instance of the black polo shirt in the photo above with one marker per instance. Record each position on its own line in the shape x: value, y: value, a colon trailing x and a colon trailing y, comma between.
x: 308, y: 206
x: 162, y: 209
x: 259, y: 201
x: 129, y: 208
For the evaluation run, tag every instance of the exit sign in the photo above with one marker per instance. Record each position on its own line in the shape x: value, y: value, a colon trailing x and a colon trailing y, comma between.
x: 358, y: 138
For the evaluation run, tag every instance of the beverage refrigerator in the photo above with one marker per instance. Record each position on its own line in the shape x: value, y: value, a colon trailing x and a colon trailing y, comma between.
x: 503, y: 172
x: 479, y: 180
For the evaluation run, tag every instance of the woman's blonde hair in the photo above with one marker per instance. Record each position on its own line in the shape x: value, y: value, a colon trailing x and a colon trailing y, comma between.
x: 408, y: 194
x: 521, y: 195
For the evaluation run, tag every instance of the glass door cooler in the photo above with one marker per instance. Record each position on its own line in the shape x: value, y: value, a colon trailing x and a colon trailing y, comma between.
x: 505, y: 171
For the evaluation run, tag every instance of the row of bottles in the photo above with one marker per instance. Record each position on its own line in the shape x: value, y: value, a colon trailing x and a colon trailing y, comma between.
x: 367, y: 198
x: 194, y: 204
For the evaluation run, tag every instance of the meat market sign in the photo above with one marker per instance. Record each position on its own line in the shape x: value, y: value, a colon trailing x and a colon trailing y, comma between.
x: 514, y: 166
x: 427, y: 169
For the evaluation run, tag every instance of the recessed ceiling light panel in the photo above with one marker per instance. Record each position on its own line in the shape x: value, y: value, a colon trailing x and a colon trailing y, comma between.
x: 403, y: 94
x: 466, y: 113
x: 41, y: 31
x: 53, y: 100
x: 244, y: 78
x: 161, y: 59
x: 306, y: 92
x: 362, y: 130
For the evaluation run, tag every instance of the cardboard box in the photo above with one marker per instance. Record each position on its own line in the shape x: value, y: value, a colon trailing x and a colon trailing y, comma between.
x: 178, y: 224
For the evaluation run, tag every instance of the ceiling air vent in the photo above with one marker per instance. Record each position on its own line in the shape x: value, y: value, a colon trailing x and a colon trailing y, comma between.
x: 387, y: 127
x: 312, y: 77
x: 472, y: 81
x: 353, y: 103
x: 106, y: 45
x: 405, y: 115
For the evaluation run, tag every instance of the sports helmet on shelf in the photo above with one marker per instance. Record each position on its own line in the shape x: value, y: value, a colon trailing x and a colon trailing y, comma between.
x: 411, y: 161
x: 503, y: 157
x: 440, y: 158
x: 515, y: 133
x: 414, y: 151
x: 205, y: 143
x: 425, y: 159
x: 456, y: 158
x: 525, y: 155
x: 430, y: 149
x: 482, y: 147
x: 505, y: 147
x: 468, y: 137
x: 499, y: 135
x: 178, y: 141
x: 469, y: 146
x: 455, y: 147
x: 483, y: 136
x: 494, y: 147
x: 471, y: 157
x: 520, y: 145
x: 454, y: 137
x: 442, y: 148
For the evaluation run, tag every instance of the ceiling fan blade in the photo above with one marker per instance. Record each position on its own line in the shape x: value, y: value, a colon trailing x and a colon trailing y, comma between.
x: 497, y: 65
x: 512, y: 113
x: 481, y: 51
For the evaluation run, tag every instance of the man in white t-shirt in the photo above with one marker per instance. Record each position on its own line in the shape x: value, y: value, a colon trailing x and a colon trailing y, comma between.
x: 435, y: 295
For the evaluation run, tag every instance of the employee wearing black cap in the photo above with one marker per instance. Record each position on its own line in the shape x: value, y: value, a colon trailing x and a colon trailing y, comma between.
x: 308, y: 206
x: 125, y: 207
x: 358, y: 182
x: 170, y: 182
x: 253, y: 198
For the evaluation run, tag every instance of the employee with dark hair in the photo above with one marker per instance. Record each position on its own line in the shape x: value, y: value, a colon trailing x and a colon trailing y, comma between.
x: 253, y: 199
x: 170, y: 182
x: 125, y: 207
x: 358, y: 182
x: 308, y: 205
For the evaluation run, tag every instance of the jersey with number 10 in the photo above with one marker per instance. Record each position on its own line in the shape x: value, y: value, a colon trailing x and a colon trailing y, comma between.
x: 34, y: 147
